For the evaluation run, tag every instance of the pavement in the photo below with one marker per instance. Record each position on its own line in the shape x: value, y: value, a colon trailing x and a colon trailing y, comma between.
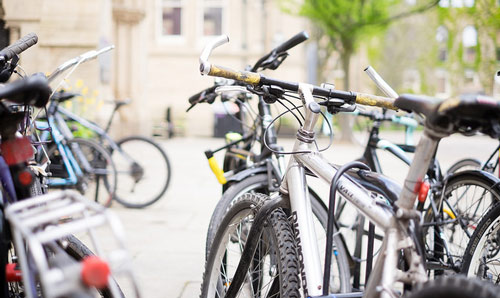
x: 167, y: 239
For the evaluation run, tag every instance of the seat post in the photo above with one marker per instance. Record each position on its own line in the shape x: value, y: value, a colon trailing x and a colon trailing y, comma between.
x: 111, y: 118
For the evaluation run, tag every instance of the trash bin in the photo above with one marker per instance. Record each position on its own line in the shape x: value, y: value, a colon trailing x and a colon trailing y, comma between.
x: 226, y: 119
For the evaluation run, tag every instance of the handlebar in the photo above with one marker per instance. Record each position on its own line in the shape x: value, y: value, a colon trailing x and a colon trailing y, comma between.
x: 18, y: 47
x: 78, y: 60
x: 256, y: 79
x: 295, y: 40
x: 204, y: 64
x: 268, y: 59
x: 398, y: 119
x: 200, y: 95
x: 271, y: 60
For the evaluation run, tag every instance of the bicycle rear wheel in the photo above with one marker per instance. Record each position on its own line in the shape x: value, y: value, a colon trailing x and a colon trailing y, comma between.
x: 464, y: 165
x: 467, y: 198
x: 482, y: 256
x: 454, y: 287
x: 143, y: 171
x: 274, y: 268
x: 99, y: 179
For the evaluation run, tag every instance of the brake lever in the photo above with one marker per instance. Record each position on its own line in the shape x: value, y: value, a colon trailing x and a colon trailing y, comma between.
x: 8, y: 69
x: 274, y: 61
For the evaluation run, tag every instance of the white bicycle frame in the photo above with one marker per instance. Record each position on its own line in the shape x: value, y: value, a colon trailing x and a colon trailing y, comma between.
x: 395, y: 225
x: 396, y: 222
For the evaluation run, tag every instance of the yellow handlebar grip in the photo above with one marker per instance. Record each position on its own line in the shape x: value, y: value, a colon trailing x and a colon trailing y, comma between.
x: 373, y: 100
x: 217, y: 170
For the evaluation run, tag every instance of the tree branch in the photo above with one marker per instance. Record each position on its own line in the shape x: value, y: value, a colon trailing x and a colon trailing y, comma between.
x: 417, y: 10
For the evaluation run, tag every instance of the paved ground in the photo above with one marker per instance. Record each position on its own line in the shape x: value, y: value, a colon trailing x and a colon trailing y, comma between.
x: 167, y: 239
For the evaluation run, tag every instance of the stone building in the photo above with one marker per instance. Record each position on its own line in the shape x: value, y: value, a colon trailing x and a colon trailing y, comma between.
x: 158, y: 42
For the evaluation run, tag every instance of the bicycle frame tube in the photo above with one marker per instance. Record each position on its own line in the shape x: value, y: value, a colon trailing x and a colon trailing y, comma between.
x: 69, y: 161
x: 294, y: 184
x: 395, y: 150
x: 98, y: 130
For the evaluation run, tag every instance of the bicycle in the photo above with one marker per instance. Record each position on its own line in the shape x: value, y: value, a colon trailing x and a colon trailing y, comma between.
x: 136, y: 188
x: 74, y: 162
x: 262, y: 225
x: 133, y: 172
x: 243, y: 171
x: 40, y: 255
x: 453, y: 204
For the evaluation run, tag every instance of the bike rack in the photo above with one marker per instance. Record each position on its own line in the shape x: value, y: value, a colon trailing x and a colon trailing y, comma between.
x: 38, y: 222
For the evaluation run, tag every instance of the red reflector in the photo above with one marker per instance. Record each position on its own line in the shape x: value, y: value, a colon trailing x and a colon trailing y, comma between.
x: 12, y: 274
x: 17, y: 150
x: 95, y: 272
x: 422, y: 193
x: 25, y: 178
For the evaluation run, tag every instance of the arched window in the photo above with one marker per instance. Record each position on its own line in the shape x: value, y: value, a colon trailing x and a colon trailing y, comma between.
x: 469, y: 42
x: 442, y: 39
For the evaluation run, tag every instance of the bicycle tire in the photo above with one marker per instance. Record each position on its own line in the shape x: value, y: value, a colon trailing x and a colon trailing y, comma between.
x: 470, y: 208
x: 151, y: 175
x: 456, y: 286
x: 79, y: 251
x: 464, y: 164
x: 102, y: 167
x: 340, y: 273
x: 276, y: 235
x: 484, y: 248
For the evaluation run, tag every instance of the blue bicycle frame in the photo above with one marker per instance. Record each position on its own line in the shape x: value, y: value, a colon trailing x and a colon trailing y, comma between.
x: 70, y: 164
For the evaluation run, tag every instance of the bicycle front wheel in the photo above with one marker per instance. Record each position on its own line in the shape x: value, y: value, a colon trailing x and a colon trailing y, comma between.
x: 143, y: 171
x: 340, y: 272
x: 274, y: 267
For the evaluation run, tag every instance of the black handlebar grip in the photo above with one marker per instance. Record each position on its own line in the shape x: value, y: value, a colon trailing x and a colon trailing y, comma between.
x: 200, y: 95
x: 19, y: 46
x: 295, y: 40
x: 195, y: 98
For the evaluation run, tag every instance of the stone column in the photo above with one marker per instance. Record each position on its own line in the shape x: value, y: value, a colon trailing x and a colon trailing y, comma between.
x: 128, y: 72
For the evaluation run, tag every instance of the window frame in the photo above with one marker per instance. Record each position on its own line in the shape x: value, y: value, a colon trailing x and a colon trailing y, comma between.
x: 223, y: 4
x: 180, y: 38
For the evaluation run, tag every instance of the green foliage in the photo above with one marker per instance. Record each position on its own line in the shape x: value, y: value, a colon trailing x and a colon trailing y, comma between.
x: 80, y: 131
x: 348, y: 22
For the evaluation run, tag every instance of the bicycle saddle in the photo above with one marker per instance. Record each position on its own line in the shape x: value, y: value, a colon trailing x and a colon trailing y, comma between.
x: 119, y: 103
x: 467, y: 115
x: 62, y: 96
x: 33, y: 90
x: 417, y: 103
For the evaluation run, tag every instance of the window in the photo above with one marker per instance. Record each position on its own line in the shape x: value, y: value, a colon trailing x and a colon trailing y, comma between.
x: 444, y: 3
x: 442, y: 39
x: 469, y: 41
x: 469, y: 76
x: 213, y: 11
x: 443, y: 84
x: 411, y: 80
x: 498, y: 45
x: 171, y: 17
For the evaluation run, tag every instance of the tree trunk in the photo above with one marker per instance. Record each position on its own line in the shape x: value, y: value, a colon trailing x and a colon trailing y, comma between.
x: 346, y: 121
